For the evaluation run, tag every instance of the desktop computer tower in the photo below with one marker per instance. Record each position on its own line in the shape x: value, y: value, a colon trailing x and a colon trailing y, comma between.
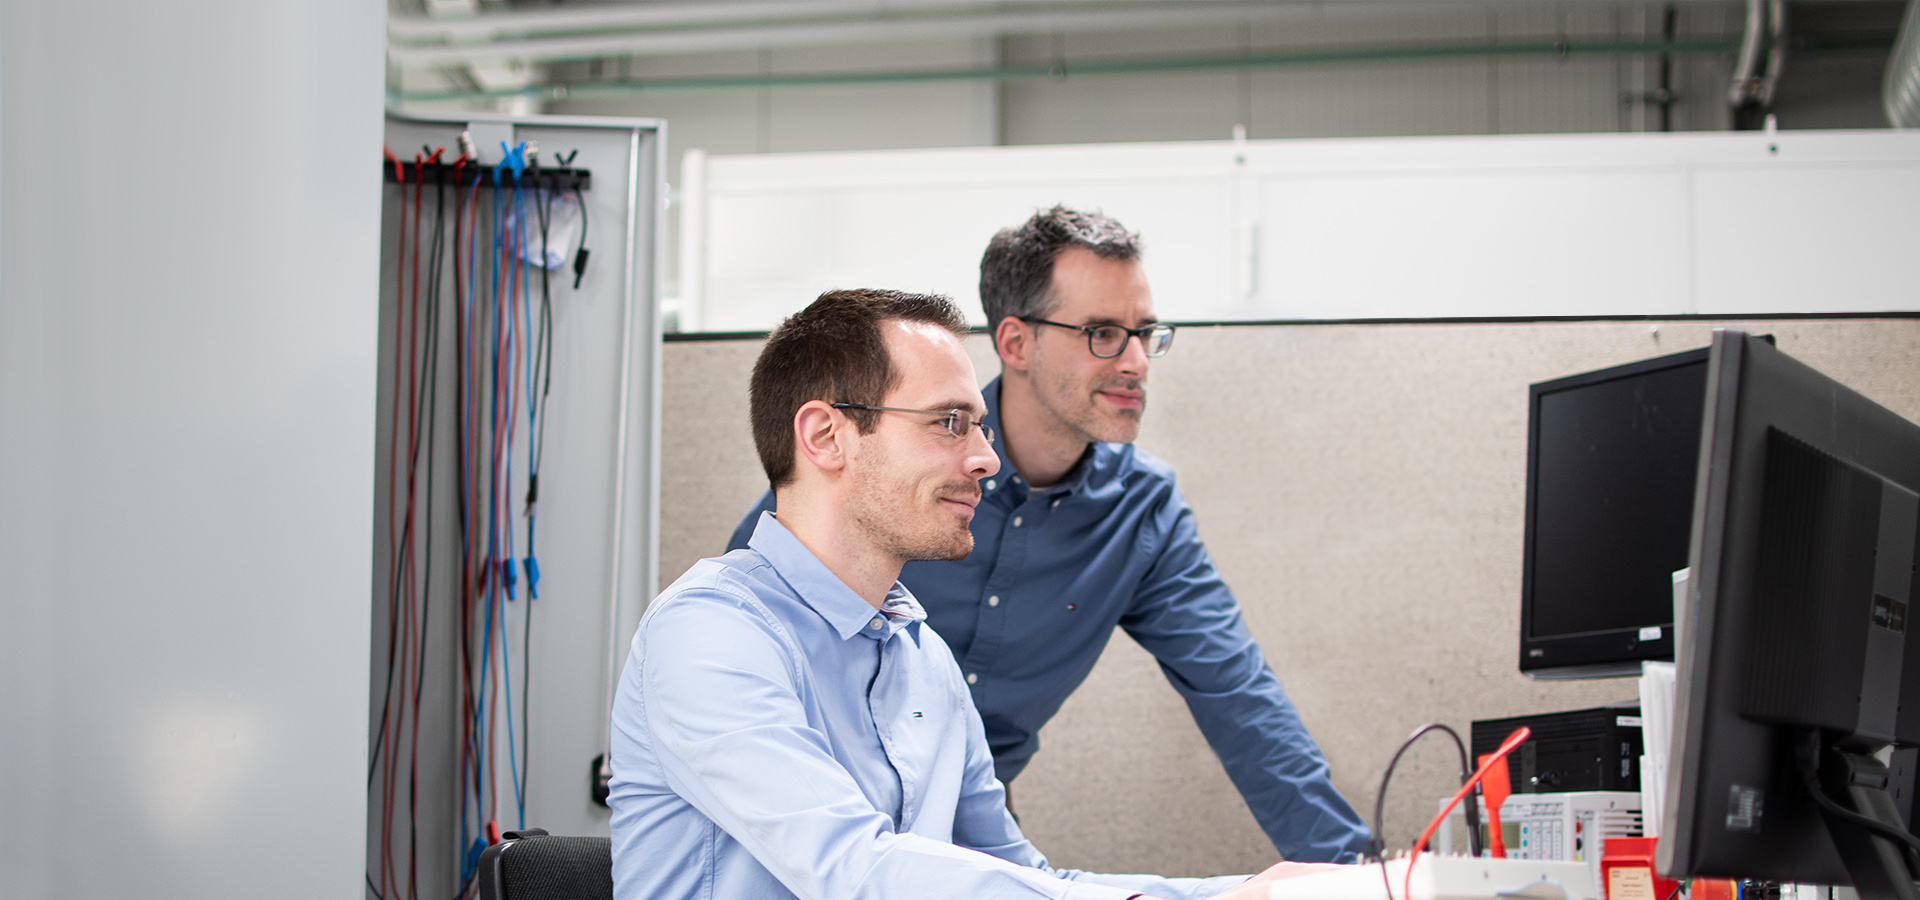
x: 1582, y: 750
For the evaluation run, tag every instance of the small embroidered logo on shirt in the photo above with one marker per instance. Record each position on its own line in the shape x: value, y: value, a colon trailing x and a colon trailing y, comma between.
x: 917, y: 715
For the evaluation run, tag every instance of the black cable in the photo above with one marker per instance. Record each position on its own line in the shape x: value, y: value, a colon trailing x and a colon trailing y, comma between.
x: 461, y: 289
x: 430, y: 374
x: 1808, y: 753
x: 393, y: 604
x: 580, y: 257
x: 536, y: 451
x: 1378, y: 845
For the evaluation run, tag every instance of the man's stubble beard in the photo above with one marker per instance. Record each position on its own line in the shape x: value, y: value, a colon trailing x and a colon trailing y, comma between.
x: 1076, y: 408
x: 877, y: 513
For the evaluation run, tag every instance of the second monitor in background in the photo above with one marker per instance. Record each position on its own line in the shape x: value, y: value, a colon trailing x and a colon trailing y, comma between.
x: 1610, y: 469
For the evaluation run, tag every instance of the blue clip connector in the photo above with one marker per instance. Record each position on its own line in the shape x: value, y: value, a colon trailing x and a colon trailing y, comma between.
x: 469, y: 865
x: 533, y: 578
x: 507, y: 574
x: 515, y: 158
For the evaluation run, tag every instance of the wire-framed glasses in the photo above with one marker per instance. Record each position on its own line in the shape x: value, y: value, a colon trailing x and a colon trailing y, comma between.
x: 958, y: 421
x: 1109, y: 341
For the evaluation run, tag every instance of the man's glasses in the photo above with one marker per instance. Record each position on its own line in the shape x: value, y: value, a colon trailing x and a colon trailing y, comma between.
x: 1109, y: 341
x: 958, y: 421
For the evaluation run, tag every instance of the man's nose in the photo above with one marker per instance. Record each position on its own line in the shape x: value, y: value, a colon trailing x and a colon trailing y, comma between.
x: 981, y: 459
x: 1133, y: 355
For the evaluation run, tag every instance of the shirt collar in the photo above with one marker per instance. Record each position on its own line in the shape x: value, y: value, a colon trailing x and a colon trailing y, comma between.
x: 822, y: 590
x: 1076, y: 476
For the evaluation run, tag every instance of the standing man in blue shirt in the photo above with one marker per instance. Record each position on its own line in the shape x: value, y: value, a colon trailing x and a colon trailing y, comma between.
x: 786, y: 725
x: 1080, y: 531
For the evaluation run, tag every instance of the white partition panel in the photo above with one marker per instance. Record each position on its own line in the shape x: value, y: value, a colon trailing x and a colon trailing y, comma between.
x: 1837, y: 235
x: 1456, y: 227
x: 188, y: 310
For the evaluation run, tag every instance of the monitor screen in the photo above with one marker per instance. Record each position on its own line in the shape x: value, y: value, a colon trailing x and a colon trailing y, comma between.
x: 1610, y: 467
x: 1795, y: 683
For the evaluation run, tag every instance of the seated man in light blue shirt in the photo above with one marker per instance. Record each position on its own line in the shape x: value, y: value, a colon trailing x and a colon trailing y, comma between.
x: 787, y: 724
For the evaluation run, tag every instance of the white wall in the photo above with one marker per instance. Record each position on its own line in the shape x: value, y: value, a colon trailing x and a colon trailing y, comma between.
x: 188, y: 260
x: 1517, y: 225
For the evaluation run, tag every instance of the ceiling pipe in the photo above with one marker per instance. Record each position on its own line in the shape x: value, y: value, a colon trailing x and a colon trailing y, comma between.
x: 1900, y: 91
x: 1776, y: 52
x: 597, y: 31
x: 599, y: 18
x: 1058, y: 71
x: 1745, y: 84
x: 849, y: 30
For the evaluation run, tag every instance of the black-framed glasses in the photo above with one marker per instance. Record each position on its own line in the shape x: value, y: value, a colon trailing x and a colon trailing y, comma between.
x: 958, y: 421
x: 1109, y: 341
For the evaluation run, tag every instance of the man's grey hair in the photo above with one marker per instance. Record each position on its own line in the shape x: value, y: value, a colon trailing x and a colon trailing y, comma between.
x: 1016, y: 272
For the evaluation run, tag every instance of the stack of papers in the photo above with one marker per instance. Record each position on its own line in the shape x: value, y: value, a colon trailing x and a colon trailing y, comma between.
x: 1656, y: 718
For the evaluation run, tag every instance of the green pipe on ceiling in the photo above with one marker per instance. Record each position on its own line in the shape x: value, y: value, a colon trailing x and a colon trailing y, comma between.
x: 1266, y: 59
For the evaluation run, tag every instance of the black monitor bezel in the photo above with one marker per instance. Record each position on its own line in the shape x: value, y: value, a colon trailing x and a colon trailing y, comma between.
x: 1753, y: 388
x: 1599, y: 654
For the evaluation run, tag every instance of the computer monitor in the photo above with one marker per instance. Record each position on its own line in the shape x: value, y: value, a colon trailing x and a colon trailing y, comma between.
x: 1794, y: 655
x: 1610, y: 464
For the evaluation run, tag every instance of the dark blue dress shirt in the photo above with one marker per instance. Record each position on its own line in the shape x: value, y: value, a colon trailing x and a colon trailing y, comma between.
x: 1028, y: 612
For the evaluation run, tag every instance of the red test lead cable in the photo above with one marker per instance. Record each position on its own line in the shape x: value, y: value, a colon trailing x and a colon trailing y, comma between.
x: 1514, y: 740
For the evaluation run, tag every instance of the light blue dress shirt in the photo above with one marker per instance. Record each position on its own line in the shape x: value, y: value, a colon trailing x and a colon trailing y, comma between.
x: 775, y: 736
x: 1054, y: 571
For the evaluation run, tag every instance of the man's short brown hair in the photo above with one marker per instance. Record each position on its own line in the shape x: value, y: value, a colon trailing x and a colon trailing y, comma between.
x: 834, y: 351
x: 1016, y: 271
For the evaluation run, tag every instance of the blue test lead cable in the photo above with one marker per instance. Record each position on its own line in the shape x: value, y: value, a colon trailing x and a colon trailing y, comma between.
x: 522, y: 258
x: 513, y: 760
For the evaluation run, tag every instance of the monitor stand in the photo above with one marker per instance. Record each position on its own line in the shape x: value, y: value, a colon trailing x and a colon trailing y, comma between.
x: 1882, y: 867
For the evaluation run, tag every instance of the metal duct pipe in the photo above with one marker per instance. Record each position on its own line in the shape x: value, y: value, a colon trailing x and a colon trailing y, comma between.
x: 610, y: 18
x: 1900, y: 92
x: 1745, y: 84
x: 1083, y: 68
x: 1777, y: 52
x: 588, y: 31
x: 566, y: 35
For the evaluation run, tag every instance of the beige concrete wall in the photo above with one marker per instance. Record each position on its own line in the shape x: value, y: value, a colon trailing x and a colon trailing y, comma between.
x: 1362, y: 489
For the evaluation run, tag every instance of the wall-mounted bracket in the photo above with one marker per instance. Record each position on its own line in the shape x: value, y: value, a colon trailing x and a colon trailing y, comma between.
x: 562, y: 179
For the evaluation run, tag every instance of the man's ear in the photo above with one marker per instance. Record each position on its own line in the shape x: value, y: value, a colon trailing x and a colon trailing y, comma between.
x: 1013, y: 339
x: 820, y: 435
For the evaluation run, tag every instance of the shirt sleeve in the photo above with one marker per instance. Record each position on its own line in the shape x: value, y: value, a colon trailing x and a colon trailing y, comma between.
x: 1185, y: 615
x: 721, y: 697
x: 743, y: 532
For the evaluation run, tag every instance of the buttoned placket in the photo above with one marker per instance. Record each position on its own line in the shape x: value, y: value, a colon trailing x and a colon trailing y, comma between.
x: 1026, y: 512
x: 886, y: 634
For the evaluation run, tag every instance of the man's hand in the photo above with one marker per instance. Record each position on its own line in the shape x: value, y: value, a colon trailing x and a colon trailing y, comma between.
x: 1255, y: 888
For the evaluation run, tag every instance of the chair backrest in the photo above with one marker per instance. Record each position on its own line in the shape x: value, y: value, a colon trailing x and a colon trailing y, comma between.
x: 534, y: 865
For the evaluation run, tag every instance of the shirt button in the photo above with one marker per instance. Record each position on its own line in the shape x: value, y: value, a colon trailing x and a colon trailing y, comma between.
x: 875, y: 624
x: 1056, y: 501
x: 993, y: 600
x: 973, y: 677
x: 1016, y: 521
x: 989, y: 484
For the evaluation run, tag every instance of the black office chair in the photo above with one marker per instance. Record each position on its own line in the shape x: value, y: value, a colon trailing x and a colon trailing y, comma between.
x: 535, y: 865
